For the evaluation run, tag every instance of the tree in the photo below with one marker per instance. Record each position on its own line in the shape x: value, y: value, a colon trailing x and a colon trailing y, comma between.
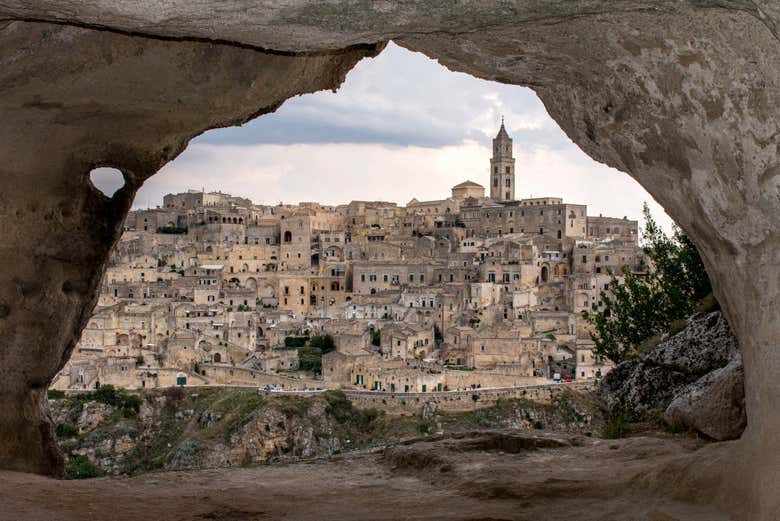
x: 324, y: 342
x: 644, y: 305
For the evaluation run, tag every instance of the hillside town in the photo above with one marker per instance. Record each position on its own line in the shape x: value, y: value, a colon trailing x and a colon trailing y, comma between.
x: 467, y: 292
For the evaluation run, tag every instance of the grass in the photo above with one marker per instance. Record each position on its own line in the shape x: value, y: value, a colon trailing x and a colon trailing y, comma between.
x: 615, y: 428
x: 81, y: 468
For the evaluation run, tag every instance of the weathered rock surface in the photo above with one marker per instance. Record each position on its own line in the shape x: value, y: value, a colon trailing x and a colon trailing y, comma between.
x: 642, y: 389
x: 714, y: 405
x: 52, y: 133
x: 487, y: 476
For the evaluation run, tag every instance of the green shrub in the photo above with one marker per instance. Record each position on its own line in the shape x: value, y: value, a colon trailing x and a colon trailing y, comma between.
x: 295, y: 341
x: 310, y: 359
x: 643, y: 305
x: 66, y: 430
x: 342, y: 410
x: 81, y: 468
x: 54, y: 394
x: 172, y: 230
x: 615, y: 428
x: 324, y: 342
x: 128, y: 404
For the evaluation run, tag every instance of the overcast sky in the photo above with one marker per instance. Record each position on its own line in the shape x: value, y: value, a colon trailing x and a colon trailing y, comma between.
x: 401, y: 126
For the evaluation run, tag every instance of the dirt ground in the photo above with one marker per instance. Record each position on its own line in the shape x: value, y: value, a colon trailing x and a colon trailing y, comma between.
x: 481, y: 476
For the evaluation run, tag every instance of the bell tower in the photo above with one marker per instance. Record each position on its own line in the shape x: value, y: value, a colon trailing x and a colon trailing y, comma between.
x: 502, y: 167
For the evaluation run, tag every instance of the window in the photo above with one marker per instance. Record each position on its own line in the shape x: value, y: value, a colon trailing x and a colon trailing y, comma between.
x: 411, y: 277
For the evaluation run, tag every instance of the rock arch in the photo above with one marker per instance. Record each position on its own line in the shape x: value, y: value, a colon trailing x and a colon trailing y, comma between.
x: 684, y: 97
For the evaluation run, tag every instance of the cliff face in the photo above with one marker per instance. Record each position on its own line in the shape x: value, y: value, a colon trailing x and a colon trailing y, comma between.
x: 177, y: 429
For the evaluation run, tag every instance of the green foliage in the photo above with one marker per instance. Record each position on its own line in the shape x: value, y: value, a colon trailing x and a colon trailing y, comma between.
x: 66, y: 430
x: 342, y: 410
x: 54, y: 394
x: 310, y: 359
x: 172, y: 230
x: 376, y: 338
x: 615, y: 427
x: 128, y: 404
x: 295, y: 341
x: 645, y: 305
x: 324, y: 342
x: 81, y: 468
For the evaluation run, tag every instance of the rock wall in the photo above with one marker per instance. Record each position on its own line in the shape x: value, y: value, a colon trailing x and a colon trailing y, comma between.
x: 118, y: 432
x: 682, y: 95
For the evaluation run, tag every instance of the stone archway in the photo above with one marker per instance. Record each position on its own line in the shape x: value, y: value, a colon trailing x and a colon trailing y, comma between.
x: 683, y: 96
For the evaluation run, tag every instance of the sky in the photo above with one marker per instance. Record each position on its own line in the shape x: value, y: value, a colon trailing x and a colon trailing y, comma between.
x: 402, y: 126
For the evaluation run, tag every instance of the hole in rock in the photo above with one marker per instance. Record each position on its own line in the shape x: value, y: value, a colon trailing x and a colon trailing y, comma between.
x: 108, y: 180
x: 381, y: 205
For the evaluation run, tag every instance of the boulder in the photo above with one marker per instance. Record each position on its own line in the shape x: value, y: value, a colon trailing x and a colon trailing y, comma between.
x: 642, y: 389
x: 714, y: 405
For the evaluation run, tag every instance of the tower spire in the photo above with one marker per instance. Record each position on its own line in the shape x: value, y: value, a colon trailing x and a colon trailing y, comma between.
x: 502, y: 167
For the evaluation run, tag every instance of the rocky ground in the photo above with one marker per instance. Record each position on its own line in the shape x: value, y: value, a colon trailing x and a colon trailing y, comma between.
x: 476, y: 476
x: 165, y: 454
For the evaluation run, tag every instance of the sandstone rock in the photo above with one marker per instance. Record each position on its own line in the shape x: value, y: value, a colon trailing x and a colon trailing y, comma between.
x: 705, y: 344
x: 642, y: 389
x: 92, y: 415
x: 428, y: 410
x: 714, y: 405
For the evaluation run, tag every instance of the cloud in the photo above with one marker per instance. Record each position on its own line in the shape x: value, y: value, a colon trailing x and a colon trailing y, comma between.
x: 401, y: 126
x: 400, y: 98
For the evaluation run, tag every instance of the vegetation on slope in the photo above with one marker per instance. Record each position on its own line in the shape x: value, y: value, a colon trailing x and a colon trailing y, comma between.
x: 180, y: 429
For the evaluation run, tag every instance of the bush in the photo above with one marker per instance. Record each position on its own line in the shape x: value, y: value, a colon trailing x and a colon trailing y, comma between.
x: 66, y: 430
x: 127, y: 404
x: 342, y: 410
x: 310, y: 359
x: 295, y: 341
x: 644, y: 305
x: 81, y: 468
x: 54, y: 394
x: 324, y: 342
x: 615, y: 428
x: 172, y: 230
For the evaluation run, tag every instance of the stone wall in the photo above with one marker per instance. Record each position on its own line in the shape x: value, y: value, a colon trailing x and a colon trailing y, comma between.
x: 412, y: 403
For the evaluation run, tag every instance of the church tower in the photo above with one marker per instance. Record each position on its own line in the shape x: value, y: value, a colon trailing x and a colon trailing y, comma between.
x: 502, y: 167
